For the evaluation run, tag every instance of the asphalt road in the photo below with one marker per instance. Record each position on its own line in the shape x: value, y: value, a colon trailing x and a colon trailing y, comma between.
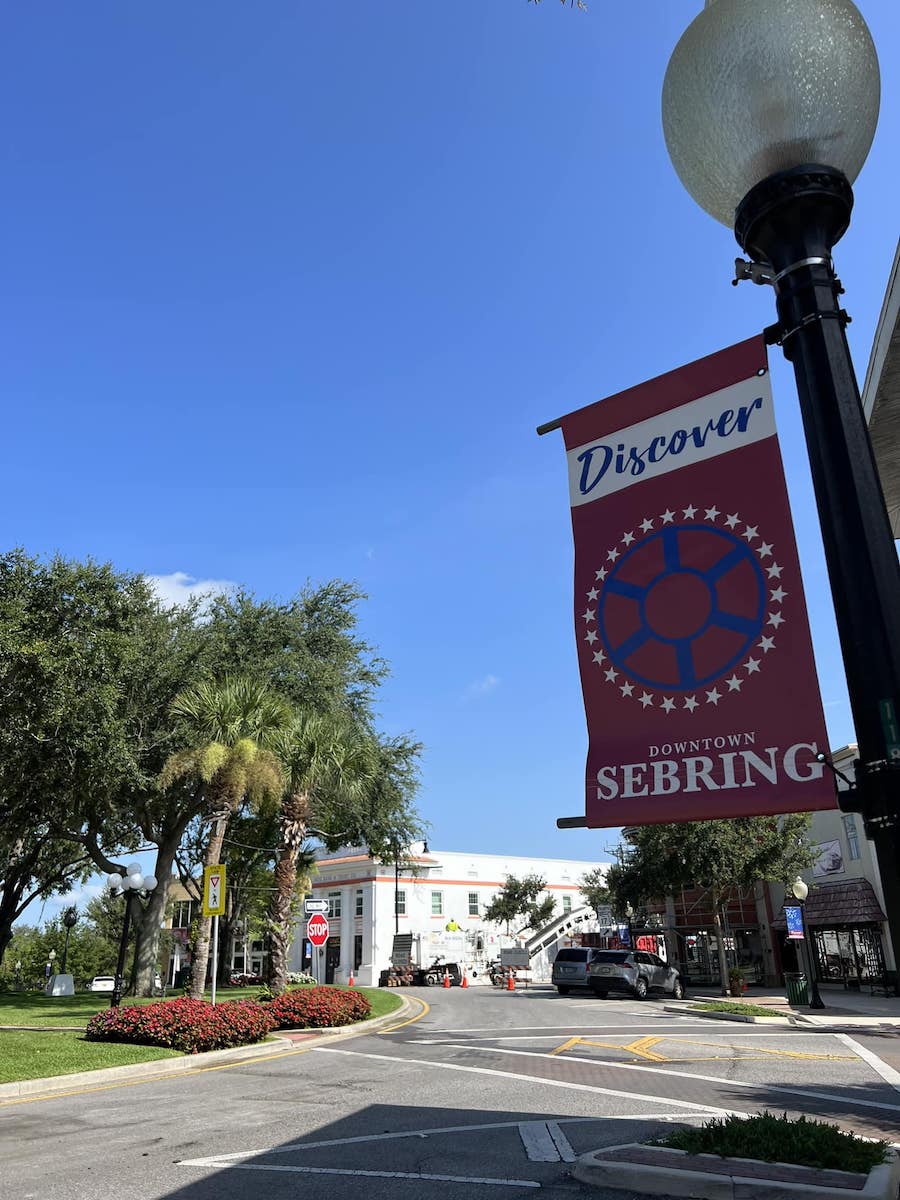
x: 483, y: 1092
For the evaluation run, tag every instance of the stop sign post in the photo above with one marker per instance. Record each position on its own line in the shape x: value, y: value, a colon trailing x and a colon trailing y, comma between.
x: 317, y: 932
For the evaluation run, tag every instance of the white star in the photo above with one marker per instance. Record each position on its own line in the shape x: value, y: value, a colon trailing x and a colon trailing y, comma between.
x: 731, y: 520
x: 627, y: 538
x: 601, y: 574
x: 711, y: 513
x: 690, y: 703
x: 626, y: 689
x: 611, y: 675
x: 689, y: 512
x: 734, y: 684
x: 775, y: 620
x: 767, y: 644
x: 613, y: 555
x: 750, y: 532
x: 667, y: 517
x: 591, y: 636
x: 593, y: 594
x: 778, y: 594
x: 751, y: 666
x: 713, y: 697
x: 646, y: 699
x: 588, y: 615
x: 774, y: 571
x: 668, y: 704
x: 599, y: 656
x: 765, y: 550
x: 646, y: 525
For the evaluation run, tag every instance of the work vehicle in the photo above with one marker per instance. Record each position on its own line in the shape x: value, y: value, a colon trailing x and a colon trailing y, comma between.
x: 570, y: 968
x: 404, y: 971
x: 636, y: 972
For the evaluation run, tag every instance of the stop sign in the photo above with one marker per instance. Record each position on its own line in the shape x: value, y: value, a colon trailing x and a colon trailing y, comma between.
x: 317, y: 929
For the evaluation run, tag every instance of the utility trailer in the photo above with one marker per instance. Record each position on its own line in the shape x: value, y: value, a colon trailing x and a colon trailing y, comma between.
x: 405, y: 971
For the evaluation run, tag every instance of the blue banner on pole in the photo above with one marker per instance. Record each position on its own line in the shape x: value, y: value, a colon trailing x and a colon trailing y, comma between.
x: 624, y: 935
x: 793, y: 914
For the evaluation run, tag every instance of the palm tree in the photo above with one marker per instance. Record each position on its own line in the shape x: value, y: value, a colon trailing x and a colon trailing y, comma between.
x: 228, y: 725
x: 330, y: 765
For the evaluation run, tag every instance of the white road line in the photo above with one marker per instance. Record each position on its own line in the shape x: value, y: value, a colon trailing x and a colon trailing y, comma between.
x: 888, y: 1074
x: 539, y: 1145
x: 424, y: 1063
x: 239, y: 1166
x: 566, y: 1153
x: 735, y: 1083
x: 679, y: 1030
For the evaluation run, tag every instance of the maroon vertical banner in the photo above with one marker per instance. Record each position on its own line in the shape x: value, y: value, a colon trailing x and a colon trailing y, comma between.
x: 694, y: 649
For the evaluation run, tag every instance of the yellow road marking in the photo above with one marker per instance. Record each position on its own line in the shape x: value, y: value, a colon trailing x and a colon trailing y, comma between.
x: 643, y: 1048
x: 426, y: 1008
x: 573, y: 1041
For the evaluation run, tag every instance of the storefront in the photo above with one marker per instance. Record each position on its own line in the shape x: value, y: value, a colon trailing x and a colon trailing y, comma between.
x: 844, y: 922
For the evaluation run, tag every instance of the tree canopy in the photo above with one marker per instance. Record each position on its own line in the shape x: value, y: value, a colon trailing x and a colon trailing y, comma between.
x: 518, y: 901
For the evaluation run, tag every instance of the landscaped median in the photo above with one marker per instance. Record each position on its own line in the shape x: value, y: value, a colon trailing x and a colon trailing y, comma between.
x: 760, y: 1157
x: 147, y: 1032
x: 727, y: 1010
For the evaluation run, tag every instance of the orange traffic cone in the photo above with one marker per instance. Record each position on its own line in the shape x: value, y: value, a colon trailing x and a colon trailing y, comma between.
x: 351, y: 982
x: 511, y: 982
x: 446, y: 977
x: 465, y: 980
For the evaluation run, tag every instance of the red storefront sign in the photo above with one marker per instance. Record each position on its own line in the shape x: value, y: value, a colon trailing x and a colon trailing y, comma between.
x: 696, y: 662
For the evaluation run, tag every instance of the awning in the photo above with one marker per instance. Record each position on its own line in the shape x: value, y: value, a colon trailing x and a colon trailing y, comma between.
x: 833, y: 904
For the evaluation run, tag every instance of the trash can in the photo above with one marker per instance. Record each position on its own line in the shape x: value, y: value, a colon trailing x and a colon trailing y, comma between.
x: 797, y: 987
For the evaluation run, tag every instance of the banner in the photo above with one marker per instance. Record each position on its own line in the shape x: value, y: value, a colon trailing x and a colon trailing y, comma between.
x: 696, y: 662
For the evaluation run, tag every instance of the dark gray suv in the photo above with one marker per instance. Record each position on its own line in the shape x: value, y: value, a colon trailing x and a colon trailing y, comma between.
x: 570, y: 968
x: 634, y: 971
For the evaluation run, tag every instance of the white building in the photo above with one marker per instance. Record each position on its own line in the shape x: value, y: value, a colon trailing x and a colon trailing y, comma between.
x: 438, y: 897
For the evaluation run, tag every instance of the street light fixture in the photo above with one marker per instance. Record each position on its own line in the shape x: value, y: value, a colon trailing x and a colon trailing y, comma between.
x: 769, y: 110
x: 800, y: 890
x: 69, y: 919
x: 132, y: 883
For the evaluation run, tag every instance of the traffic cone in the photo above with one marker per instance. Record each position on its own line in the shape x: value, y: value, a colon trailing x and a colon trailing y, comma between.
x: 446, y: 977
x: 465, y: 980
x: 511, y: 982
x: 351, y: 981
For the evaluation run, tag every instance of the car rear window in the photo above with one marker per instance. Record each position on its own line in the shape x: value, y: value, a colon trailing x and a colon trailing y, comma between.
x: 611, y: 956
x: 573, y: 956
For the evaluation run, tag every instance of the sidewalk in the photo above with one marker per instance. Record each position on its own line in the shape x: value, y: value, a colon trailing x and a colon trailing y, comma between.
x: 841, y: 1007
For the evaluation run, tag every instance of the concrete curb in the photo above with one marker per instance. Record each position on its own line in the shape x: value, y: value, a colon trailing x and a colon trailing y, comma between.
x: 658, y: 1180
x: 722, y: 1016
x: 140, y: 1072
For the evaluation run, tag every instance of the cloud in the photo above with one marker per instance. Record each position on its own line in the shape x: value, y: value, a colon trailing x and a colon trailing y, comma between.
x: 179, y: 587
x: 482, y: 687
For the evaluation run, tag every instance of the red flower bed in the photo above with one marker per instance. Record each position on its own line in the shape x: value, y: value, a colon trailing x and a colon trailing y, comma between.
x: 317, y: 1008
x: 183, y: 1024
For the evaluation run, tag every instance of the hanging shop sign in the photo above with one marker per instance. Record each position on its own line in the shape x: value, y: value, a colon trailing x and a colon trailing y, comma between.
x: 693, y: 642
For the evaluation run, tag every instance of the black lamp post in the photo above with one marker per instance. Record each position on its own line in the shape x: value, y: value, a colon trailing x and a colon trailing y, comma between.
x: 769, y: 110
x: 800, y: 890
x: 69, y: 919
x: 132, y: 883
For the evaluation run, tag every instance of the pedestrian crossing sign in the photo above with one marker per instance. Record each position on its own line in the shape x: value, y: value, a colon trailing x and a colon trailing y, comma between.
x: 213, y: 891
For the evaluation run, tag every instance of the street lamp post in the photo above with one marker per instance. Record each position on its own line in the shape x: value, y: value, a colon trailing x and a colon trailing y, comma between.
x: 133, y: 883
x: 769, y: 110
x: 800, y: 890
x: 69, y: 918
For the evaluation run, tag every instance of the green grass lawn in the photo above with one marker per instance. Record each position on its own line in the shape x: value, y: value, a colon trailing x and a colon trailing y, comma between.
x: 37, y: 1055
x: 383, y: 1002
x: 743, y: 1010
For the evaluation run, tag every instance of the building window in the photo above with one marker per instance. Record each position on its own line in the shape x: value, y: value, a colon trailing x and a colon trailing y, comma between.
x: 401, y: 903
x: 357, y: 951
x: 437, y: 904
x: 334, y: 905
x: 359, y: 902
x: 473, y: 904
x: 567, y: 904
x: 184, y: 911
x: 852, y: 835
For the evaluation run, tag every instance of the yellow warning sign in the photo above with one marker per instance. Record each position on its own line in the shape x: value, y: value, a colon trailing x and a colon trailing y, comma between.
x: 213, y: 891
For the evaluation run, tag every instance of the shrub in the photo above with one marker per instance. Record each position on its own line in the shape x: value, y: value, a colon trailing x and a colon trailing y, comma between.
x: 183, y: 1024
x: 300, y: 977
x: 780, y: 1139
x: 317, y: 1008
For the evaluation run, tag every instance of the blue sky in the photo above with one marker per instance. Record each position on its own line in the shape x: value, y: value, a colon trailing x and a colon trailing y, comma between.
x: 287, y: 288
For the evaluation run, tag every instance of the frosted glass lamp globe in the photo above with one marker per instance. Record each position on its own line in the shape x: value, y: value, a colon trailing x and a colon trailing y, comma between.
x: 755, y: 87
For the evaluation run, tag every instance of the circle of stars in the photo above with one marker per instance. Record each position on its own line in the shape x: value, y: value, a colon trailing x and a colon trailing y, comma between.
x: 702, y: 698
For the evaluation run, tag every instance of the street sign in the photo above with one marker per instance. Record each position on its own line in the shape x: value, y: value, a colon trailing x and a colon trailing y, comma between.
x: 793, y: 914
x: 315, y: 906
x: 317, y: 929
x: 213, y: 891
